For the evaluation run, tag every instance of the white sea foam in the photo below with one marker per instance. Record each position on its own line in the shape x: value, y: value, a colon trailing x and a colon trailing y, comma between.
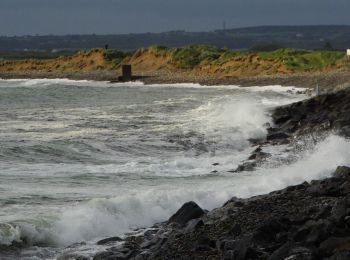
x: 63, y: 81
x: 145, y: 206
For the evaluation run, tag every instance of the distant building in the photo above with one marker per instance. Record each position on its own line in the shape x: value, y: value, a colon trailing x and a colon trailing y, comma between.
x: 348, y: 53
x: 127, y: 74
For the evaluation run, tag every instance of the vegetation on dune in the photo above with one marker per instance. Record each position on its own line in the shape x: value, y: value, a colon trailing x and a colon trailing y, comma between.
x: 158, y: 48
x: 115, y: 56
x: 303, y: 59
x: 190, y: 56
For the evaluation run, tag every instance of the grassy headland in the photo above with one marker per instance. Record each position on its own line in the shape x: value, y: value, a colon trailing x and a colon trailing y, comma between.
x: 196, y: 63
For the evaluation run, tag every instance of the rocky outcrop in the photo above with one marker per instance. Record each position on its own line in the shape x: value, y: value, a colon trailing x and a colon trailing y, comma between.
x: 315, y: 115
x: 306, y: 221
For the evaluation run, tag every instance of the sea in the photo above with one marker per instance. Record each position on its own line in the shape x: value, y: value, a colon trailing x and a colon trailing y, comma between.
x: 81, y: 161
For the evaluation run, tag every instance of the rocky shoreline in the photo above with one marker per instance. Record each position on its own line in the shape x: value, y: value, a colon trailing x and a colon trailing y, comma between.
x: 306, y: 221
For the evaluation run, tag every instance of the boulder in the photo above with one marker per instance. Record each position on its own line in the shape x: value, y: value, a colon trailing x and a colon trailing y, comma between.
x: 334, y: 244
x: 276, y: 136
x: 342, y: 172
x: 292, y: 251
x: 340, y: 256
x: 109, y: 240
x: 313, y: 232
x: 193, y: 225
x: 188, y: 211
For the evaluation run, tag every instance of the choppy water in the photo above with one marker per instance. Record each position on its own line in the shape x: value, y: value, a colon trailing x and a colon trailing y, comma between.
x: 81, y: 161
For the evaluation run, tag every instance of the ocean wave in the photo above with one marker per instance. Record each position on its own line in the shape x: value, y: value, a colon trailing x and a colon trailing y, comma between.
x: 103, y: 217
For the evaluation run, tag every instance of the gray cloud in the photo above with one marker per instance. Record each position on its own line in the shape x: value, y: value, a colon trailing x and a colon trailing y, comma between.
x: 27, y: 17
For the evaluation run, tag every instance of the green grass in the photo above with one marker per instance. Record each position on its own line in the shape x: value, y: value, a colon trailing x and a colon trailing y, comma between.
x: 158, y: 48
x: 303, y: 59
x: 115, y: 56
x: 190, y: 56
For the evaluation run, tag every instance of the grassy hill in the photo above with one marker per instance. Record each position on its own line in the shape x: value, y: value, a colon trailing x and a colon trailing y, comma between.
x: 196, y: 58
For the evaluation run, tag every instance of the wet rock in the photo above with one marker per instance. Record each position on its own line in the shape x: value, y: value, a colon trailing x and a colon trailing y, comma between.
x: 305, y: 221
x: 340, y: 211
x: 342, y: 172
x: 109, y: 240
x: 300, y: 253
x: 313, y: 232
x: 334, y: 244
x: 235, y: 231
x: 276, y: 136
x: 193, y: 224
x: 344, y: 131
x: 266, y: 232
x: 246, y: 166
x: 109, y: 255
x: 205, y: 244
x: 341, y: 256
x: 188, y: 211
x: 259, y: 156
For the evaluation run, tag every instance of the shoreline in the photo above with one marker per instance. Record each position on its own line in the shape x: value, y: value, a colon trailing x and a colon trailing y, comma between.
x: 223, y: 231
x: 328, y: 81
x: 310, y: 220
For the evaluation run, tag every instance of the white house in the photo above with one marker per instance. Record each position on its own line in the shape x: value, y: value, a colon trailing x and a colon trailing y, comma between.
x: 348, y: 53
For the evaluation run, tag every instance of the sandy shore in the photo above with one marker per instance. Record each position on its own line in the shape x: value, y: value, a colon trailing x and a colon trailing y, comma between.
x: 326, y: 81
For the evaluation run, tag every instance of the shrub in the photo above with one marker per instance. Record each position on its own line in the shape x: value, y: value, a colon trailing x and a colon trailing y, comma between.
x: 114, y: 56
x: 190, y: 56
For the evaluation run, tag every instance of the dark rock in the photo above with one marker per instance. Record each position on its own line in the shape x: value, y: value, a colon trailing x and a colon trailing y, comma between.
x: 293, y: 252
x: 259, y: 156
x: 215, y: 164
x: 188, y: 211
x: 313, y: 232
x: 193, y: 224
x: 301, y: 253
x: 236, y: 248
x: 342, y: 172
x: 340, y: 256
x: 282, y: 251
x: 235, y: 231
x: 282, y: 119
x: 109, y: 255
x: 205, y: 244
x: 267, y: 231
x: 305, y: 221
x: 277, y: 136
x: 340, y: 211
x: 246, y: 166
x: 334, y: 244
x: 344, y: 131
x: 109, y: 240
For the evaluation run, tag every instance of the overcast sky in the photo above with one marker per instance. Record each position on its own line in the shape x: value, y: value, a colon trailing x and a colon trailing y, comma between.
x: 29, y: 17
